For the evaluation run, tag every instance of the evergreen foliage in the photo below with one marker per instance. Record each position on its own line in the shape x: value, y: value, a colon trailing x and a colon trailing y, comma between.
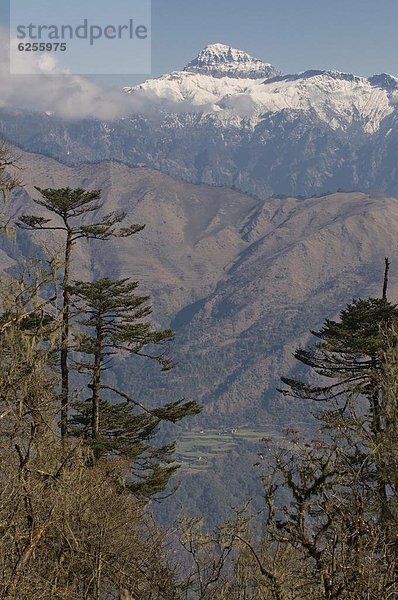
x: 349, y: 351
x: 70, y: 207
x: 114, y: 321
x: 73, y: 507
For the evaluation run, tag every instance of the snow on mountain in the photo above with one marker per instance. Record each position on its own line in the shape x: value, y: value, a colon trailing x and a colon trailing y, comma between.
x: 218, y: 122
x: 236, y: 87
x: 336, y: 98
x: 218, y: 72
x: 219, y: 60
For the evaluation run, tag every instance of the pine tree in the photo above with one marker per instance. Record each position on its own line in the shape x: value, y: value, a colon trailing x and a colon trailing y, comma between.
x: 349, y: 353
x: 69, y: 530
x: 332, y: 499
x: 115, y: 320
x: 70, y: 207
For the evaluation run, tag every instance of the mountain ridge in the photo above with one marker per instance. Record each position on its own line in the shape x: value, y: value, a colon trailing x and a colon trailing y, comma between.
x: 337, y: 99
x: 298, y: 135
x: 221, y: 60
x: 243, y: 280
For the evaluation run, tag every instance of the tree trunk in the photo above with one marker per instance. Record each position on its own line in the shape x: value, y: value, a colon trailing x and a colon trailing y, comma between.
x: 65, y: 342
x: 24, y: 559
x: 95, y: 417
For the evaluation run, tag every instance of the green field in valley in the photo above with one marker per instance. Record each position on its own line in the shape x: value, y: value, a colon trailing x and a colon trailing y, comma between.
x: 197, y: 449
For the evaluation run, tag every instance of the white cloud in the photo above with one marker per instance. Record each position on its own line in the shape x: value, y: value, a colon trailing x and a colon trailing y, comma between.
x: 51, y: 90
x: 47, y: 63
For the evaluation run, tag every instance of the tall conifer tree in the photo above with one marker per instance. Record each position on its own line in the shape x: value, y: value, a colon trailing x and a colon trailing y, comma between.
x: 70, y: 208
x: 115, y: 321
x: 349, y: 359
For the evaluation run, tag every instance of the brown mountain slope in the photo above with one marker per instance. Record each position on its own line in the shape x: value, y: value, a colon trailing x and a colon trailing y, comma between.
x: 242, y: 280
x: 306, y: 261
x: 192, y: 231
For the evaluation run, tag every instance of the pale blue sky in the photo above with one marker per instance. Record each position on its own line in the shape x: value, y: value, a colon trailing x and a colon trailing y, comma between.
x: 358, y: 36
x: 349, y: 35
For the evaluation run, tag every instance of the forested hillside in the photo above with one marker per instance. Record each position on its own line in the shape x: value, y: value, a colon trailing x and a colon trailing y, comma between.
x: 81, y: 465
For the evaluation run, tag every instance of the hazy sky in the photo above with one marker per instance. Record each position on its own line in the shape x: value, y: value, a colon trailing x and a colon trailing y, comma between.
x: 356, y: 36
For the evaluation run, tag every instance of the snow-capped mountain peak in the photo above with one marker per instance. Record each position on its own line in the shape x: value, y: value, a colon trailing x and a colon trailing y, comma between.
x: 220, y: 60
x: 239, y: 90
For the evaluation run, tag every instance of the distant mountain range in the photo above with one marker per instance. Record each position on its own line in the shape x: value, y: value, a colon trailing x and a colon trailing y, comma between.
x: 241, y: 280
x: 241, y: 274
x: 230, y: 119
